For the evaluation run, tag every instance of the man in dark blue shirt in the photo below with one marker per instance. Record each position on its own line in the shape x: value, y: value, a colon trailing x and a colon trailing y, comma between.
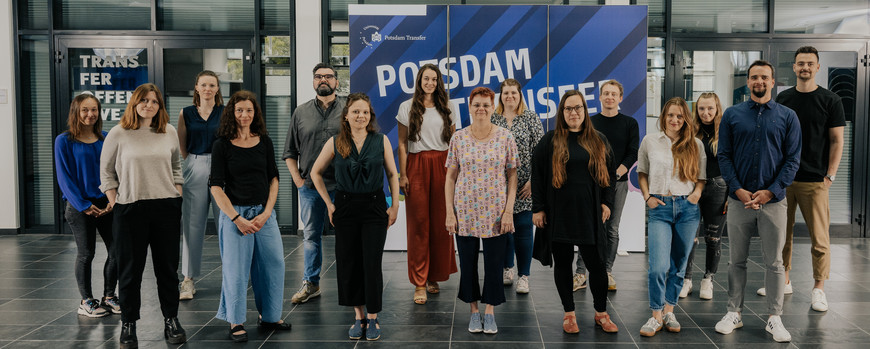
x: 759, y: 154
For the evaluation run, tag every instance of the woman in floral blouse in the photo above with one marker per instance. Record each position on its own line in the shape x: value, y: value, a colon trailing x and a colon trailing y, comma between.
x: 480, y: 189
x: 527, y: 130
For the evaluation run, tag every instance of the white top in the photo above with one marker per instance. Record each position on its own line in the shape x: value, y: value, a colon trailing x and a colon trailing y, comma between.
x: 141, y: 164
x: 656, y: 159
x: 430, y: 130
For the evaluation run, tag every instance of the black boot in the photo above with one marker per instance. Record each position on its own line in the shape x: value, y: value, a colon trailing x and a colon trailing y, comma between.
x: 173, y: 332
x: 128, y: 336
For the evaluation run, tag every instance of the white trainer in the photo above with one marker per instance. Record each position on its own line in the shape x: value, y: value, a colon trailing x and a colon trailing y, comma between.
x: 820, y: 301
x: 523, y: 284
x: 687, y: 288
x: 777, y: 329
x: 729, y: 322
x: 788, y: 290
x: 508, y: 276
x: 706, y: 288
x: 187, y: 290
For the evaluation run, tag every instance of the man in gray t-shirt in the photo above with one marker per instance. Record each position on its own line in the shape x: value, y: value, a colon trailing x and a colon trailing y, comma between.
x: 311, y: 125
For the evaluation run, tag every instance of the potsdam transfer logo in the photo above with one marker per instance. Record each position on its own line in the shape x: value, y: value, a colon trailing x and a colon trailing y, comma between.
x: 371, y: 34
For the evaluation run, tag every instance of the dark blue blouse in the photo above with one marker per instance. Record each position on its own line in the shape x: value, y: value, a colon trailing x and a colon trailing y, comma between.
x: 201, y: 134
x: 78, y: 170
x: 363, y: 171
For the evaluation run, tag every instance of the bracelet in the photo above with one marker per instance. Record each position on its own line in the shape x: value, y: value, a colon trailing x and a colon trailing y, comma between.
x: 647, y: 198
x: 236, y: 217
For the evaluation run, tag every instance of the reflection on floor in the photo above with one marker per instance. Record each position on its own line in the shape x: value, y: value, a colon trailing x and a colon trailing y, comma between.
x: 38, y: 300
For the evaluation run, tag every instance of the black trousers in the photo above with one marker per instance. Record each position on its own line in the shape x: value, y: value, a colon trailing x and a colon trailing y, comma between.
x: 563, y: 273
x: 84, y: 229
x: 360, y: 233
x: 155, y: 223
x: 712, y: 206
x: 494, y: 249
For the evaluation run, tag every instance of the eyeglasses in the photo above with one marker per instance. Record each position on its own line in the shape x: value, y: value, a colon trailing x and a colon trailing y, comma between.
x: 324, y: 76
x: 573, y: 109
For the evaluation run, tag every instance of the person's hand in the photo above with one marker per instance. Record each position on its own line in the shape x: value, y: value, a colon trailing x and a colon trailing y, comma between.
x: 539, y: 219
x: 330, y: 209
x: 526, y: 191
x: 743, y: 195
x: 694, y: 198
x: 828, y: 182
x: 393, y: 212
x: 298, y: 182
x: 260, y: 220
x: 451, y: 224
x: 759, y: 198
x: 108, y: 209
x: 507, y: 223
x: 605, y: 213
x: 653, y: 202
x: 92, y: 211
x: 405, y: 185
x: 245, y: 226
x: 621, y: 171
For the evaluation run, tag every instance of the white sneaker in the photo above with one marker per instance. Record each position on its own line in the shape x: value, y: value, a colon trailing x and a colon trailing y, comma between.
x: 729, y: 322
x: 788, y: 290
x: 687, y: 288
x: 523, y: 284
x: 579, y: 281
x: 187, y: 290
x: 820, y: 301
x: 706, y: 288
x: 776, y: 328
x: 508, y: 276
x: 611, y: 282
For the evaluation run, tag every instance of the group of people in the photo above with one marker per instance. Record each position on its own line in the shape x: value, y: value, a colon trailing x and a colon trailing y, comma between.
x: 489, y: 184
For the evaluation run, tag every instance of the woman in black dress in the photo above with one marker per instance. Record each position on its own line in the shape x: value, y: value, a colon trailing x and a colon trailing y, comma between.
x: 572, y: 166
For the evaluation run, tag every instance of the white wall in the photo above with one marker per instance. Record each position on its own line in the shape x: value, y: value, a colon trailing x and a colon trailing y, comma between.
x: 8, y: 139
x: 308, y: 47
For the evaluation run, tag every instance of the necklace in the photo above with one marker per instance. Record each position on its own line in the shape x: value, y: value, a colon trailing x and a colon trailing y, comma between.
x: 706, y: 134
x: 485, y: 136
x: 359, y: 143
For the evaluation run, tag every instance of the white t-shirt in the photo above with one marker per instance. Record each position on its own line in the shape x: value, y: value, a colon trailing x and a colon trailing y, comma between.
x: 430, y: 129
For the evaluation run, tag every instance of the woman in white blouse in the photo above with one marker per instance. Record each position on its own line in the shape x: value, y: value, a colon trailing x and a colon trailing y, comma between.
x: 671, y: 168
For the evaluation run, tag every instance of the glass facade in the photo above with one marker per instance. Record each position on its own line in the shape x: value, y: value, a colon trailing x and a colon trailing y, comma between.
x: 118, y: 14
x: 206, y: 15
x: 38, y: 136
x: 703, y: 16
x: 822, y: 17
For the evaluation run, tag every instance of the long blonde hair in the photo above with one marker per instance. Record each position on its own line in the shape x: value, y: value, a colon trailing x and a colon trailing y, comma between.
x: 588, y: 139
x: 714, y: 142
x: 685, y: 151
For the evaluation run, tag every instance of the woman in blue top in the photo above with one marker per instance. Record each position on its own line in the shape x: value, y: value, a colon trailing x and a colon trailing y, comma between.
x: 197, y: 131
x: 77, y: 162
x: 360, y: 156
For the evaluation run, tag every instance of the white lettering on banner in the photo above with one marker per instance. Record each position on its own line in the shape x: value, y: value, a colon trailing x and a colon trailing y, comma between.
x: 95, y: 79
x: 543, y: 100
x: 515, y: 60
x: 589, y: 98
x: 89, y: 61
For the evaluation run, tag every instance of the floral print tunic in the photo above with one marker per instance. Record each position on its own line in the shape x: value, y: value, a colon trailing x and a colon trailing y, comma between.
x: 527, y: 130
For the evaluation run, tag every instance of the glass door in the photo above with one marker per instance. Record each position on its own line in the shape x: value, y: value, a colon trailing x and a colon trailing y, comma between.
x: 842, y: 72
x: 108, y: 69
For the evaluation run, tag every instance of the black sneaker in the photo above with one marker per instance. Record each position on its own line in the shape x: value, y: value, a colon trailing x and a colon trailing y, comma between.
x: 92, y: 308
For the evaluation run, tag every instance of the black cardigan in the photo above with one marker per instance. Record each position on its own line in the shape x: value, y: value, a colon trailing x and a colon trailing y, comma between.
x: 543, y: 197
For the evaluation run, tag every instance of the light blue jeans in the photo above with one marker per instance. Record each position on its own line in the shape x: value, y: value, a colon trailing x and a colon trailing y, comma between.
x: 313, y: 214
x: 671, y: 229
x: 521, y: 243
x: 259, y: 255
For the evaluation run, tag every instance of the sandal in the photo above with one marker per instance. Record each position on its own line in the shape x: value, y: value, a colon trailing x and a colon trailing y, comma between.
x: 420, y: 295
x: 606, y: 324
x: 238, y: 338
x: 569, y: 324
x: 432, y: 287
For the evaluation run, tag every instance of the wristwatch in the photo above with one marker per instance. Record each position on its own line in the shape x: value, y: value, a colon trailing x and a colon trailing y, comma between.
x: 831, y: 177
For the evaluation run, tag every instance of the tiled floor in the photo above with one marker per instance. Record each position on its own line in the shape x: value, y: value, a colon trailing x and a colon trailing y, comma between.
x: 38, y: 299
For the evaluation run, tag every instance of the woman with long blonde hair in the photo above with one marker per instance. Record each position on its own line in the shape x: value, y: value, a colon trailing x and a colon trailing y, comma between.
x: 708, y: 114
x: 671, y: 168
x: 572, y: 196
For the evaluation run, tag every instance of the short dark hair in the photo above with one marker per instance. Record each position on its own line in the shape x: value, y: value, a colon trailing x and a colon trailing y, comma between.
x: 761, y: 63
x: 321, y: 66
x: 807, y: 49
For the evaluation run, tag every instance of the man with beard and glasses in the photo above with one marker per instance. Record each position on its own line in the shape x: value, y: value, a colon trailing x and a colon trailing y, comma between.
x: 312, y: 124
x: 759, y: 154
x: 822, y: 119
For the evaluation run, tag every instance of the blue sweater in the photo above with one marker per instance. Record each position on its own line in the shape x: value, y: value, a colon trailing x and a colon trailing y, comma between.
x: 78, y: 170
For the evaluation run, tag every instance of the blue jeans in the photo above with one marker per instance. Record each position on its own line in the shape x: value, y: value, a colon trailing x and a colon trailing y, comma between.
x: 313, y: 215
x: 521, y: 241
x: 671, y: 229
x: 259, y: 255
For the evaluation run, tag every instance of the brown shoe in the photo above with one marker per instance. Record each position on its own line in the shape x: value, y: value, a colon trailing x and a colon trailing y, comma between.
x: 569, y: 324
x: 432, y: 287
x: 606, y: 324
